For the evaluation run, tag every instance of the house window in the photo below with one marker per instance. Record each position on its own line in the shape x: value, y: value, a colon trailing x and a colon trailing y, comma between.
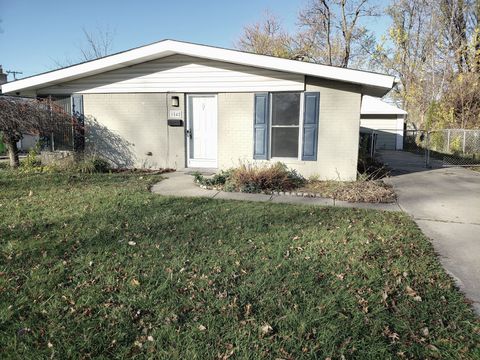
x: 285, y: 125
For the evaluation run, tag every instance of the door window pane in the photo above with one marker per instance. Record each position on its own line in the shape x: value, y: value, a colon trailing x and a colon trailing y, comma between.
x: 285, y: 108
x: 285, y: 142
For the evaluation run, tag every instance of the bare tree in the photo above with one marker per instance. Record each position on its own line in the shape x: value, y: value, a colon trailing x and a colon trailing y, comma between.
x: 96, y: 44
x: 266, y: 37
x: 26, y: 115
x: 454, y: 26
x: 461, y: 32
x: 316, y: 38
x: 410, y: 52
x: 332, y: 31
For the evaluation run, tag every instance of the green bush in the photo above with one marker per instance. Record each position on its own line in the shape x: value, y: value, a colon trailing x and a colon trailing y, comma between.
x: 92, y: 165
x: 88, y: 165
x: 216, y: 180
x: 456, y: 145
x: 31, y: 163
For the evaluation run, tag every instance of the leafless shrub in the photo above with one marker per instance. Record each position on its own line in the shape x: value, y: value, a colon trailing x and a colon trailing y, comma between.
x: 27, y: 115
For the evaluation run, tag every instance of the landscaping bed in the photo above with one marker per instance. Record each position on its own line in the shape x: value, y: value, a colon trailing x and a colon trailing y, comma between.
x: 370, y: 191
x: 95, y: 266
x: 277, y: 179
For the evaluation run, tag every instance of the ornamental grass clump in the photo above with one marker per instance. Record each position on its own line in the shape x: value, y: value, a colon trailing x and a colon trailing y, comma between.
x: 254, y: 178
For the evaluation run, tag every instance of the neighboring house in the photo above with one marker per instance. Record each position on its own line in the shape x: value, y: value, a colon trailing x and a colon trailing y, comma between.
x: 29, y: 141
x: 176, y: 104
x: 386, y: 120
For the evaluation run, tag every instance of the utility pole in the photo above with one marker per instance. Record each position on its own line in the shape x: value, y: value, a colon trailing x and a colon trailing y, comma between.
x: 14, y: 73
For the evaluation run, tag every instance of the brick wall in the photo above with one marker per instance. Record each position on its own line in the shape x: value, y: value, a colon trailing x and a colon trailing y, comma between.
x: 131, y: 130
x: 126, y: 128
x: 235, y: 128
x: 337, y: 139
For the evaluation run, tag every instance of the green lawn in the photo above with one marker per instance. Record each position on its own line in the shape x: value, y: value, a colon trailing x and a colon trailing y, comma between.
x: 96, y: 266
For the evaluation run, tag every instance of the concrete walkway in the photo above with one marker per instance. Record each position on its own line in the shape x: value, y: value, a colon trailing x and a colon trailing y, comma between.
x: 403, y: 162
x: 180, y: 183
x: 445, y: 203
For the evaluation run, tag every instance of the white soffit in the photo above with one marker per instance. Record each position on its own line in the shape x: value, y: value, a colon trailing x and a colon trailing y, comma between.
x: 376, y: 106
x: 169, y: 47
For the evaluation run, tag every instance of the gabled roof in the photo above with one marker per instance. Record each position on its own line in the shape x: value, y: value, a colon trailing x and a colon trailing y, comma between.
x: 376, y: 106
x: 378, y: 83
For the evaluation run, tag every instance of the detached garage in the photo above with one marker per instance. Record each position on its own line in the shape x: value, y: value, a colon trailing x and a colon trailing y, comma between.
x: 385, y: 120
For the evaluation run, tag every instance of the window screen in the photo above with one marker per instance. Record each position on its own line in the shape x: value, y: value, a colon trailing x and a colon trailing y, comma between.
x: 285, y: 108
x: 285, y: 124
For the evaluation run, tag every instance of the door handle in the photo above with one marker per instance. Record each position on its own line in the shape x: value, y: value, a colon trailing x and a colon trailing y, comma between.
x: 189, y: 134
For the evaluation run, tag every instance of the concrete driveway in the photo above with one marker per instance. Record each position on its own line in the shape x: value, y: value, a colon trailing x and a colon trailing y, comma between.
x: 445, y: 203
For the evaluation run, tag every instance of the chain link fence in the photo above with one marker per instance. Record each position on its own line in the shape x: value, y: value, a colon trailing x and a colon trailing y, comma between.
x: 454, y: 147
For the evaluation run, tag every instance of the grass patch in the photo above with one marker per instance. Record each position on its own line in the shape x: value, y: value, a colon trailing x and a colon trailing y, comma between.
x: 96, y: 266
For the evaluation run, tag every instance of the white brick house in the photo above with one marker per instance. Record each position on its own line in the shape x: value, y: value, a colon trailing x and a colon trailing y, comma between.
x: 176, y: 104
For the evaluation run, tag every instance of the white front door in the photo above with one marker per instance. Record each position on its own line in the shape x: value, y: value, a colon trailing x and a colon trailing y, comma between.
x: 202, y: 131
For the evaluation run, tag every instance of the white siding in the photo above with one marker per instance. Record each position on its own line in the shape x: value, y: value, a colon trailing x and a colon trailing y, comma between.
x: 180, y: 73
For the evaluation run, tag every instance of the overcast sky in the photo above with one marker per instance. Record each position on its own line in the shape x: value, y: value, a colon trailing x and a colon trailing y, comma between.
x: 36, y: 33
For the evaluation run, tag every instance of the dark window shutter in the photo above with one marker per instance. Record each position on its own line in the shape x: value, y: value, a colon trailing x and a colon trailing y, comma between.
x: 310, y: 126
x: 260, y: 127
x: 79, y: 125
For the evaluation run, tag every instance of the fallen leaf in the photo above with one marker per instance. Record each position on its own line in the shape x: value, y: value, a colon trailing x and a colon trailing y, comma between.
x: 135, y: 282
x: 266, y: 329
x: 202, y: 328
x: 248, y: 310
x: 410, y: 291
x: 132, y: 243
x: 425, y: 331
x: 30, y: 193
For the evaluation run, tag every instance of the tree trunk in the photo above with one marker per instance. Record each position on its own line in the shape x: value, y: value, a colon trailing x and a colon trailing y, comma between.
x: 12, y: 149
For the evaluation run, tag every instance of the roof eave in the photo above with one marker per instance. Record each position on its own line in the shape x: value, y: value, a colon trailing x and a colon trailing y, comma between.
x: 382, y: 83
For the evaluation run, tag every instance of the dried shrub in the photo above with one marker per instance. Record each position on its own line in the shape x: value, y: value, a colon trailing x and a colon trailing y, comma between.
x: 26, y: 115
x: 369, y: 168
x: 253, y: 178
x: 354, y: 191
x: 366, y: 191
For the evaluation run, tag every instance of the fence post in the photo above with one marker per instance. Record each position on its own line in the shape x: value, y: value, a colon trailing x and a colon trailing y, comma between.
x: 427, y: 151
x: 464, y: 138
x: 372, y: 144
x: 448, y: 141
